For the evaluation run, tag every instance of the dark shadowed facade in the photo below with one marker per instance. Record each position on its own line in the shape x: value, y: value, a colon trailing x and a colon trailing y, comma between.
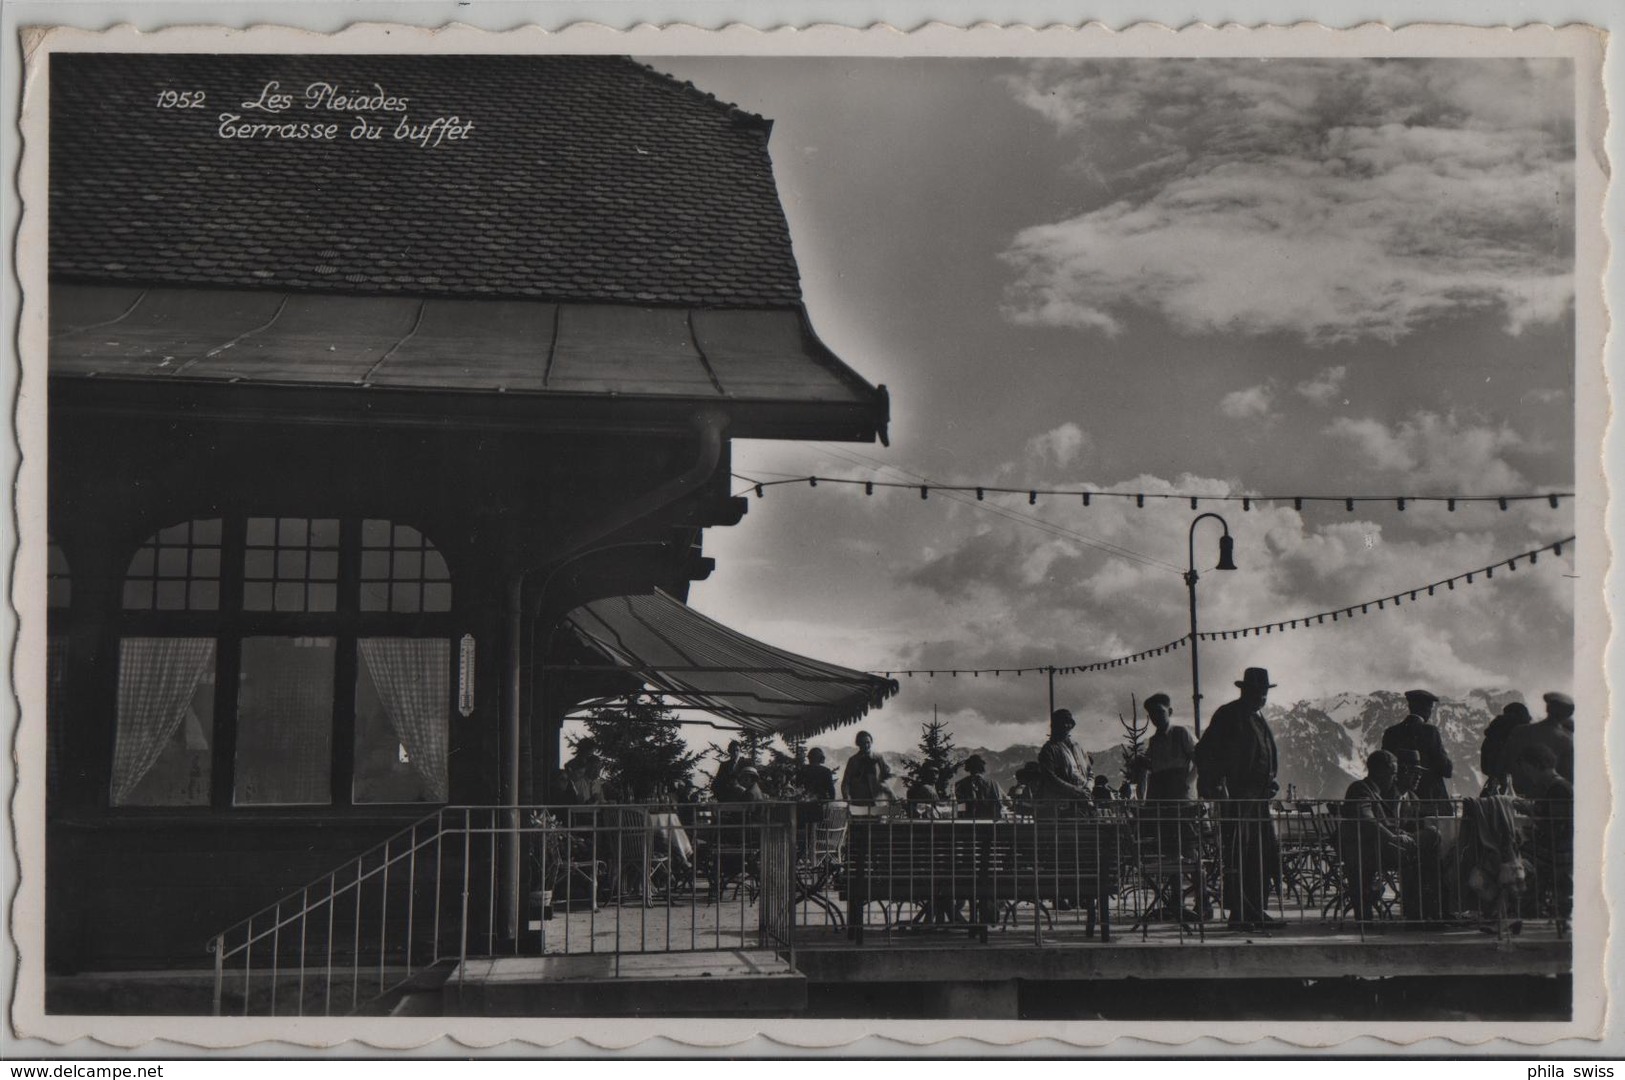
x: 341, y: 430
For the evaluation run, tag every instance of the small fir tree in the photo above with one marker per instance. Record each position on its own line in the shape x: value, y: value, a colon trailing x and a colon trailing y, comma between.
x: 1136, y: 766
x: 934, y: 769
x: 642, y: 745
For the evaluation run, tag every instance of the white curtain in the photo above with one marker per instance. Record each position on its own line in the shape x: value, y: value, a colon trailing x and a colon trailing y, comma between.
x: 413, y: 678
x: 156, y: 680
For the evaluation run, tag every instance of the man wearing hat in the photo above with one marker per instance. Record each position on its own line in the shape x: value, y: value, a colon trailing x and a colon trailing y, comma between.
x: 1062, y: 788
x: 1555, y: 732
x: 980, y: 797
x: 1422, y: 877
x: 1415, y: 733
x: 1236, y: 762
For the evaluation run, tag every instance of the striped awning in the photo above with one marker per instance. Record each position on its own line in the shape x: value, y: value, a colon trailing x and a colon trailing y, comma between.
x: 698, y: 661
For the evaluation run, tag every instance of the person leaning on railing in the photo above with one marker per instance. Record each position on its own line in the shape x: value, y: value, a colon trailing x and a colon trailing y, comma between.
x: 1549, y: 798
x: 1492, y: 753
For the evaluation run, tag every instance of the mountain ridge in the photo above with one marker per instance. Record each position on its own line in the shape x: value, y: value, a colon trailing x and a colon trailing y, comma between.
x: 1322, y: 742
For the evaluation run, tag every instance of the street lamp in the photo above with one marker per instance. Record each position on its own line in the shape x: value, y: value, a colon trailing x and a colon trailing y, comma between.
x: 1227, y: 561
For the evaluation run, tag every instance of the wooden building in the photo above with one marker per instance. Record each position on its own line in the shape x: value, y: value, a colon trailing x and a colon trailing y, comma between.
x: 342, y: 429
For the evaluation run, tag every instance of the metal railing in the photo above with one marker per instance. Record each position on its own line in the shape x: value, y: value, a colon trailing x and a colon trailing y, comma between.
x: 1182, y: 870
x: 612, y: 880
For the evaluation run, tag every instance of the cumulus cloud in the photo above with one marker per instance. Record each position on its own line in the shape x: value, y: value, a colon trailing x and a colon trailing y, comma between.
x: 1325, y: 386
x: 1438, y: 452
x: 1250, y: 404
x: 1060, y: 446
x: 1333, y: 200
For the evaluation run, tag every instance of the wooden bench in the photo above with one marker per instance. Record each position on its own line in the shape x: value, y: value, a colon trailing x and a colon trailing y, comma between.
x: 941, y: 864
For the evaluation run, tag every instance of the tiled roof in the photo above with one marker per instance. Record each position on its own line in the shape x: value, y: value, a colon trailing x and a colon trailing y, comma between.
x: 582, y: 179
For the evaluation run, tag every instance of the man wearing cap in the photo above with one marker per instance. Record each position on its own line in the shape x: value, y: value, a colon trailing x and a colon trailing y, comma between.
x: 1236, y: 762
x: 980, y: 796
x: 1170, y: 764
x: 1170, y: 753
x: 1492, y: 756
x: 1062, y: 788
x: 1555, y: 733
x: 1415, y: 733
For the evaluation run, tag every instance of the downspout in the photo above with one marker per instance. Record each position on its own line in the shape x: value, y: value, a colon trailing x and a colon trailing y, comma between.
x: 708, y: 427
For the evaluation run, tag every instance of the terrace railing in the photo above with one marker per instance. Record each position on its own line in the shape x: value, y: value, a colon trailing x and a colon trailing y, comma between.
x: 612, y: 880
x: 1185, y: 869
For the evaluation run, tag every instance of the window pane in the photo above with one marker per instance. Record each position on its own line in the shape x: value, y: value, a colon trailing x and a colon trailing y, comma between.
x: 324, y: 566
x: 141, y: 565
x: 403, y: 687
x: 324, y: 533
x: 174, y: 534
x: 257, y: 564
x: 437, y: 597
x: 206, y: 562
x: 408, y: 565
x: 374, y: 533
x: 375, y: 565
x: 434, y: 566
x: 138, y: 594
x: 285, y: 722
x: 171, y: 596
x: 290, y: 596
x: 290, y: 565
x: 324, y: 597
x: 172, y: 562
x: 162, y: 752
x: 256, y: 597
x: 205, y: 596
x: 374, y: 596
x: 292, y: 531
x: 262, y: 531
x: 405, y: 598
x: 406, y: 536
x: 206, y: 532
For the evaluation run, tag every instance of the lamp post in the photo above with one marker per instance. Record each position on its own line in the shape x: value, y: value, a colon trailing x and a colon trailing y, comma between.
x: 1226, y: 562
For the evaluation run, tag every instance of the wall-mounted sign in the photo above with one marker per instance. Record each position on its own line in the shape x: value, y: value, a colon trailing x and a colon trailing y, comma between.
x: 465, y: 675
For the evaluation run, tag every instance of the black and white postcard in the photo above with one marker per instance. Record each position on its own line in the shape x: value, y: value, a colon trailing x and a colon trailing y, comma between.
x: 1023, y: 534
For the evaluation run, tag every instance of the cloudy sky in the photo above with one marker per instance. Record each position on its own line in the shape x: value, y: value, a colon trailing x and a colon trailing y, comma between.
x: 1219, y: 276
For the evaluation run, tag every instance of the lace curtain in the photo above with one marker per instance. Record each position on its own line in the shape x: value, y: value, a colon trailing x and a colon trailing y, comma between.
x: 156, y: 680
x: 413, y: 678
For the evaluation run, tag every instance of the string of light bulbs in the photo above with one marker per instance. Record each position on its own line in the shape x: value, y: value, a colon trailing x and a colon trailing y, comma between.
x: 1088, y: 495
x: 1280, y: 626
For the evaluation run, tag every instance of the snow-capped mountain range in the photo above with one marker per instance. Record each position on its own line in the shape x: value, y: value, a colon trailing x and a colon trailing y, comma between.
x: 1323, y: 743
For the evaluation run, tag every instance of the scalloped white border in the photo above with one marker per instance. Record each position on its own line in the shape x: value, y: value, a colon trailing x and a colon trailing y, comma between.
x: 453, y: 1037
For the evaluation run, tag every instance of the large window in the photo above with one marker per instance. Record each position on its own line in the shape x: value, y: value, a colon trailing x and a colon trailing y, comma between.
x: 278, y: 661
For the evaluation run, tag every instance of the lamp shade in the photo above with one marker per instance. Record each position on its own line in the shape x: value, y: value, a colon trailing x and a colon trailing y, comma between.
x: 1227, y: 551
